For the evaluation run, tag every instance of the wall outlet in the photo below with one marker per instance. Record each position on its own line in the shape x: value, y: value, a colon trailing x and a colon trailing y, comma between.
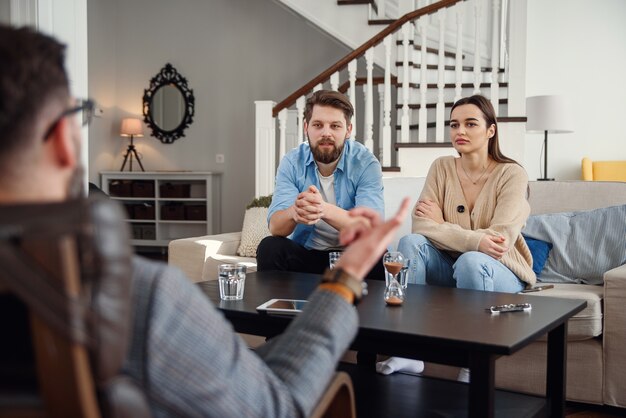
x: 219, y: 158
x: 98, y: 112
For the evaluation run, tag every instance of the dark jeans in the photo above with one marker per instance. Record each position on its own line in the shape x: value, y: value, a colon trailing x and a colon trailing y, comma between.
x: 278, y: 253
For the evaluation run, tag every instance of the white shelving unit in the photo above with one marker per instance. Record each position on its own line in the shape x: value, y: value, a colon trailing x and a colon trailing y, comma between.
x: 166, y: 205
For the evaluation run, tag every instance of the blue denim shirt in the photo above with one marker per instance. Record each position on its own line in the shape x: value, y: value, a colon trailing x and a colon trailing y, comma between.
x: 357, y: 182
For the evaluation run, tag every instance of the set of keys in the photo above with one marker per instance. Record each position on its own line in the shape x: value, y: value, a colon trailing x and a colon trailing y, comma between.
x: 511, y: 307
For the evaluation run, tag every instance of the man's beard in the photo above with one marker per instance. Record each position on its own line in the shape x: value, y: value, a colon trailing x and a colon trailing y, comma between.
x: 326, y: 157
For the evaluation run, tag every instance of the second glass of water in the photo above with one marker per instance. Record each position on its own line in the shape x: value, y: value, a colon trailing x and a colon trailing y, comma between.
x: 333, y: 257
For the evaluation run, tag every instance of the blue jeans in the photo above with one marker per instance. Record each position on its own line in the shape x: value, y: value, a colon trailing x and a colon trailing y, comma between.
x: 472, y: 270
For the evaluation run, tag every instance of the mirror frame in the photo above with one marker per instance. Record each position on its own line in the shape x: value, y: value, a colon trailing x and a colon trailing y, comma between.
x: 168, y: 76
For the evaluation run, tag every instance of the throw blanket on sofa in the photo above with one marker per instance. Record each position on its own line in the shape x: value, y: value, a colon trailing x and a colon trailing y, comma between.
x: 585, y: 244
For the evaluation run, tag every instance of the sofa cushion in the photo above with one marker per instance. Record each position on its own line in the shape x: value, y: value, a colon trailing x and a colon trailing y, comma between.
x: 588, y: 322
x: 254, y: 230
x: 585, y: 244
x: 394, y: 190
x: 211, y: 263
x: 540, y: 251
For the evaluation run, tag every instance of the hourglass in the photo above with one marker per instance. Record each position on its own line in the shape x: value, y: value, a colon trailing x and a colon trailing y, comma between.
x: 394, y: 293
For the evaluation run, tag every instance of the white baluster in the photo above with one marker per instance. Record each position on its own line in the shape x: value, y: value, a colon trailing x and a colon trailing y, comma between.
x: 441, y: 80
x: 458, y: 69
x: 504, y: 42
x: 352, y: 92
x: 386, y: 105
x: 292, y: 137
x: 477, y: 73
x: 300, y: 104
x: 495, y: 56
x: 381, y: 122
x: 282, y: 133
x: 423, y: 112
x: 264, y: 148
x: 369, y: 101
x: 320, y: 86
x: 365, y: 101
x: 381, y: 9
x: 405, y: 121
x: 334, y: 81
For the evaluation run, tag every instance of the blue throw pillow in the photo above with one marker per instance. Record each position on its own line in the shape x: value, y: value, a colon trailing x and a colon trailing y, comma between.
x: 540, y: 251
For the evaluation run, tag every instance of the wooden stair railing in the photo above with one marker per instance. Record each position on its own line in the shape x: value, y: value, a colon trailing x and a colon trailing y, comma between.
x: 360, y: 51
x: 424, y: 83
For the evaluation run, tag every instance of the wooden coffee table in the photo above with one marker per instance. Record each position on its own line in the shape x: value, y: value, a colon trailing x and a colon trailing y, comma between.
x: 441, y: 325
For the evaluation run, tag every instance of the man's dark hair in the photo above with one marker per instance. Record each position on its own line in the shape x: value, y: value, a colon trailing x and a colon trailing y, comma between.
x: 329, y: 98
x: 31, y: 74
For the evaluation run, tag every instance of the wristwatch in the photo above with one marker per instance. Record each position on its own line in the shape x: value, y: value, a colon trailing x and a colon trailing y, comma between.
x: 339, y: 275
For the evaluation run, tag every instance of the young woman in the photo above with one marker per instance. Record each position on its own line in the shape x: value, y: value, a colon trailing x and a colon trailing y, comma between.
x: 467, y: 222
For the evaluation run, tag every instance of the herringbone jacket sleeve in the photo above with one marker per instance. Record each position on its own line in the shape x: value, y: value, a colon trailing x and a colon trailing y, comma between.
x: 194, y: 364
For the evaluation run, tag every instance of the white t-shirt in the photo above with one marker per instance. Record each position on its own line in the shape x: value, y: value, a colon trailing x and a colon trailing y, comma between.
x: 325, y: 236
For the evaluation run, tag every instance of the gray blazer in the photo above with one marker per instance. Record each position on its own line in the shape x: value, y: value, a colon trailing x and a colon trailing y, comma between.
x: 191, y: 363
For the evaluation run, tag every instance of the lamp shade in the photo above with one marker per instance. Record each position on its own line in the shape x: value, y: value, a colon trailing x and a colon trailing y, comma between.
x: 548, y: 113
x: 131, y: 126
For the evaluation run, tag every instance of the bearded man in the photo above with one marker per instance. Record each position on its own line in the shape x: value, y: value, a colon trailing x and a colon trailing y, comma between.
x: 316, y: 184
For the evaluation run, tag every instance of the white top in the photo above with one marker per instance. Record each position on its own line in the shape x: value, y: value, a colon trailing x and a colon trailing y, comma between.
x: 325, y: 236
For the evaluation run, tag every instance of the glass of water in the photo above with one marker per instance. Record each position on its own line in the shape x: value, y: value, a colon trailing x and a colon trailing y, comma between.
x: 333, y: 257
x: 232, y: 279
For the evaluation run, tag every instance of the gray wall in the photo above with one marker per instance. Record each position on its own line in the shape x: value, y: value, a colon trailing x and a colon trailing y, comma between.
x: 232, y: 52
x: 5, y: 11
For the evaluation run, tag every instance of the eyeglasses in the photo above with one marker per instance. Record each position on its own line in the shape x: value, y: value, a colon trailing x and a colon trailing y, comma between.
x: 86, y: 107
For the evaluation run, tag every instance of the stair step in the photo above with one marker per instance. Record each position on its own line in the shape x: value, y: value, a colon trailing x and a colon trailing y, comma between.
x: 430, y: 50
x: 363, y: 80
x: 447, y: 123
x: 381, y: 21
x: 452, y: 85
x: 446, y: 144
x: 448, y: 67
x: 416, y: 106
x: 414, y: 126
x: 391, y: 169
x: 356, y: 2
x: 343, y: 88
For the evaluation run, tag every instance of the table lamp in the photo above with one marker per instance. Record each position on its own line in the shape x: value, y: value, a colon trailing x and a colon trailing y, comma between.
x: 132, y: 128
x: 547, y: 114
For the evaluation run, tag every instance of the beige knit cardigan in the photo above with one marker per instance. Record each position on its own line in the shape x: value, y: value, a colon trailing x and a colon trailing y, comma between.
x: 500, y: 208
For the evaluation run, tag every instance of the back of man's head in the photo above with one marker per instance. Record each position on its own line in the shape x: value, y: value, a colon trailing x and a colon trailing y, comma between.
x: 32, y: 76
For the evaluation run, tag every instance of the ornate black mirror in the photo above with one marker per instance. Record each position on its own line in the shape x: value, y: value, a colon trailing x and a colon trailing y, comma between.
x: 168, y: 105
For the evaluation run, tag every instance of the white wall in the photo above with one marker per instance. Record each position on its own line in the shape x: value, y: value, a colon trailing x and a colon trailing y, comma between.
x: 577, y: 48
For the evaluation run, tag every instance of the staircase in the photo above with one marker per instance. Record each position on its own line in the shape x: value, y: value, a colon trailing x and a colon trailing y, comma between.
x: 402, y: 81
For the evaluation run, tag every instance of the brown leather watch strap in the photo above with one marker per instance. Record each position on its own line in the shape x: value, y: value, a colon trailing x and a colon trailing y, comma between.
x: 340, y: 276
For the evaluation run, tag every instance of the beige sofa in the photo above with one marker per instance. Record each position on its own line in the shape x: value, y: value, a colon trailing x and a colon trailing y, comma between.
x: 597, y: 336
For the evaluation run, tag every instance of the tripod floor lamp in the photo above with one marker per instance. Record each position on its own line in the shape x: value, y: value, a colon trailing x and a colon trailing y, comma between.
x: 547, y: 114
x: 131, y: 128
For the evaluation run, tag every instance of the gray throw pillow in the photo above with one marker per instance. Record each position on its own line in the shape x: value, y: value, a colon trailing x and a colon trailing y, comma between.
x: 586, y: 244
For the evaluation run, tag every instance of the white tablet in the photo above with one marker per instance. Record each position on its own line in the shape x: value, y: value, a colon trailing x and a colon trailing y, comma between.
x: 282, y: 306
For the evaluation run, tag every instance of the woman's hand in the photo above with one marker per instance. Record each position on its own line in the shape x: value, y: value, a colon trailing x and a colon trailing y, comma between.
x: 493, y: 245
x: 430, y: 210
